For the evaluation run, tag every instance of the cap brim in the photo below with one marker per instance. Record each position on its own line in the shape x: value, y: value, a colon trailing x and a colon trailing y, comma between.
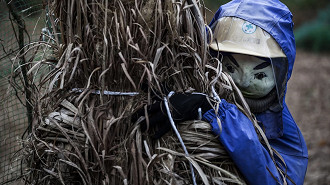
x: 235, y: 48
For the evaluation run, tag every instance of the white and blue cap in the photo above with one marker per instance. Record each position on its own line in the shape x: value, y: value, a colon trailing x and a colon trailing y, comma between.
x: 235, y: 35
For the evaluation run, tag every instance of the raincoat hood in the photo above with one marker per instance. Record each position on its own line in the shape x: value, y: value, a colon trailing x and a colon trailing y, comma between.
x: 276, y: 19
x: 271, y: 15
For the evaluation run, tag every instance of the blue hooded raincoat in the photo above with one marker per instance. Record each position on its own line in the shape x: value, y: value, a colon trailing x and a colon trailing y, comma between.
x: 238, y: 134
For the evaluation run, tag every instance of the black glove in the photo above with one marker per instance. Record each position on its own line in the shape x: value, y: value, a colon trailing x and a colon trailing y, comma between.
x: 183, y: 107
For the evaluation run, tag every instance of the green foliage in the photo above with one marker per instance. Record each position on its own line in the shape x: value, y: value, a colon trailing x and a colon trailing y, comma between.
x: 215, y: 4
x: 304, y: 4
x: 315, y: 35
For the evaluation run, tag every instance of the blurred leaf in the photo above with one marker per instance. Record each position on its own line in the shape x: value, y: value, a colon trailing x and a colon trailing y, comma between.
x: 315, y: 35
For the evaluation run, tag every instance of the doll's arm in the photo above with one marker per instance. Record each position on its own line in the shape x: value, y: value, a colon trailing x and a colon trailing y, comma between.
x: 241, y: 142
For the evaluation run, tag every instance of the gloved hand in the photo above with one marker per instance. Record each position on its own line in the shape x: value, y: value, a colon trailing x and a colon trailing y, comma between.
x: 183, y: 107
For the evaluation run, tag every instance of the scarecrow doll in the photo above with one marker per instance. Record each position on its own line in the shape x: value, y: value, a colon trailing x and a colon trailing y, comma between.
x: 255, y: 42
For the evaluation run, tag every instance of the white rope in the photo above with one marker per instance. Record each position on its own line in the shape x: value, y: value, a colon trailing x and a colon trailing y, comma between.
x: 111, y: 93
x: 215, y: 94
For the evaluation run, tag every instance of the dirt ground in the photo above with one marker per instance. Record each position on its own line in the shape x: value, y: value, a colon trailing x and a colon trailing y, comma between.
x: 308, y: 98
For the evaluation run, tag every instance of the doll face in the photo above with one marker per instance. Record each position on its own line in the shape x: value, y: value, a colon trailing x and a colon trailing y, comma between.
x: 252, y: 75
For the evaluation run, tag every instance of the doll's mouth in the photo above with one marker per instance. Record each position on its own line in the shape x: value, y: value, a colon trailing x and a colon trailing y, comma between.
x: 248, y: 94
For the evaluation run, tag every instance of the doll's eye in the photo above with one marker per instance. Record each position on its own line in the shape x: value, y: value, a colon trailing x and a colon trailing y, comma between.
x: 230, y: 68
x: 260, y: 75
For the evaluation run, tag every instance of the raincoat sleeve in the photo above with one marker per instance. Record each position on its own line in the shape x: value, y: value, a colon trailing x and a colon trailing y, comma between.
x: 241, y: 142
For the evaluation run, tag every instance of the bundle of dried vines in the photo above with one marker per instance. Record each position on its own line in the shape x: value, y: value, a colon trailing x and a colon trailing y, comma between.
x: 109, y: 58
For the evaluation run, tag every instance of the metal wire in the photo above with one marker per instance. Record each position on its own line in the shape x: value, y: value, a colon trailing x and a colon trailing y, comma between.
x: 178, y: 135
x: 18, y: 27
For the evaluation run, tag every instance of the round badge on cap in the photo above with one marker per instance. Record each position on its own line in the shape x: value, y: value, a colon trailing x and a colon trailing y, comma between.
x: 248, y: 27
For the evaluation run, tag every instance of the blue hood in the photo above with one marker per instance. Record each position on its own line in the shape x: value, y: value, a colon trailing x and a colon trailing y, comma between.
x: 271, y: 15
x: 275, y: 18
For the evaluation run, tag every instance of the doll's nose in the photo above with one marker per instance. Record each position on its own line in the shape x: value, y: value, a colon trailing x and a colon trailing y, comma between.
x: 243, y: 84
